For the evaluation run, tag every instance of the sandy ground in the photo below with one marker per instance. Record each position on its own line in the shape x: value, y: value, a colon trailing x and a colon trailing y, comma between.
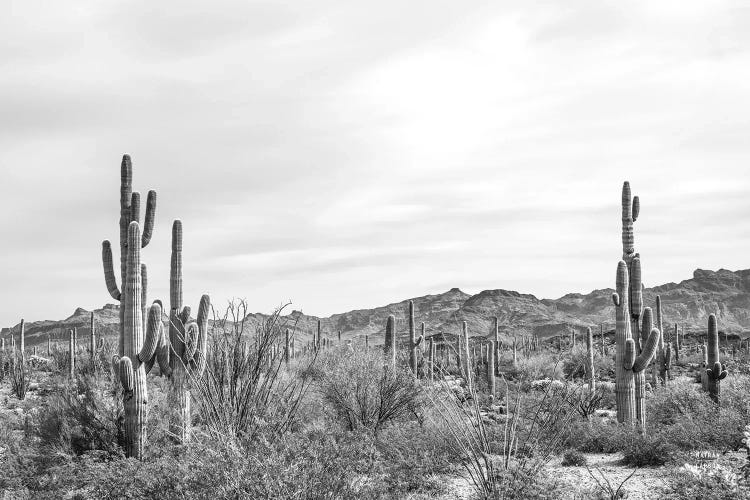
x: 576, y: 483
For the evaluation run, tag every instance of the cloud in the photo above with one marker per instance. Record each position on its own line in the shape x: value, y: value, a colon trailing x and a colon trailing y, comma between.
x: 347, y: 155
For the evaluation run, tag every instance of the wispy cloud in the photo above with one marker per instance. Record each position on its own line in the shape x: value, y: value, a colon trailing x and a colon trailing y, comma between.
x: 345, y: 155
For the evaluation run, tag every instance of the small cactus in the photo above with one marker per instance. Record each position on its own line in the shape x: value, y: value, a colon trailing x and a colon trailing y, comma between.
x: 491, y: 368
x: 715, y: 371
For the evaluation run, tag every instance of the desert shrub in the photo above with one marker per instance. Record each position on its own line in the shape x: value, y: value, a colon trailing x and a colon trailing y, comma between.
x: 574, y: 365
x: 573, y: 458
x: 648, y: 449
x: 246, y: 391
x: 705, y: 481
x: 82, y: 416
x: 506, y: 461
x: 542, y: 366
x: 598, y: 436
x: 363, y: 393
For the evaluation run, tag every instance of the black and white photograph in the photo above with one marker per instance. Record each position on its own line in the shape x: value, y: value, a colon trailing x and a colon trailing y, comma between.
x: 359, y: 250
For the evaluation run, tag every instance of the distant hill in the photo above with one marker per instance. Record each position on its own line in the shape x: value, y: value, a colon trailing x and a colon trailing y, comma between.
x: 725, y: 293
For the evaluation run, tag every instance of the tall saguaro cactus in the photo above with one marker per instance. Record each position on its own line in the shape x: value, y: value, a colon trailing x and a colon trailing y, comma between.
x: 627, y: 363
x: 491, y: 368
x: 188, y: 341
x: 715, y: 371
x: 389, y: 348
x: 139, y: 348
x: 130, y: 208
x: 663, y: 361
x: 465, y: 356
x: 589, y: 365
x: 413, y: 341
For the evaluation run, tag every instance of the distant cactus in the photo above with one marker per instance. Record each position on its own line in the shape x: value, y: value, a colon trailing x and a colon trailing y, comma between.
x: 704, y: 366
x: 664, y: 364
x: 413, y: 341
x: 715, y: 371
x: 389, y: 348
x: 491, y: 368
x: 72, y: 356
x: 589, y: 365
x: 431, y: 359
x: 129, y: 212
x: 465, y: 357
x: 676, y: 343
x: 22, y: 340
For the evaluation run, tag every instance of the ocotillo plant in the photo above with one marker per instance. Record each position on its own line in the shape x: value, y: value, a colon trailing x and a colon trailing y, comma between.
x: 139, y: 349
x: 715, y: 372
x: 589, y: 368
x: 491, y: 369
x: 188, y: 341
x: 626, y: 361
x: 130, y: 207
x: 286, y: 345
x: 413, y: 341
x: 465, y: 359
x: 389, y: 348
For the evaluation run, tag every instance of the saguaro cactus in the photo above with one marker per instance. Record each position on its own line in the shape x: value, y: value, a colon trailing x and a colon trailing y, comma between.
x: 22, y: 340
x: 676, y: 343
x: 139, y: 348
x: 715, y: 371
x: 589, y: 365
x: 465, y: 356
x: 413, y: 341
x: 491, y: 368
x: 188, y: 340
x: 626, y: 361
x: 130, y: 207
x: 431, y: 359
x: 72, y: 355
x: 389, y: 348
x: 663, y: 364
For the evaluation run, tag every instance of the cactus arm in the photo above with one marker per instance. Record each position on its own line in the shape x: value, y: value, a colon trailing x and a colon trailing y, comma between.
x: 127, y: 376
x: 154, y: 331
x: 616, y: 299
x: 109, y: 270
x: 191, y: 341
x: 629, y: 358
x: 185, y: 315
x: 418, y: 341
x: 148, y: 222
x: 636, y: 289
x: 162, y: 356
x: 144, y: 293
x: 647, y: 352
x: 636, y: 208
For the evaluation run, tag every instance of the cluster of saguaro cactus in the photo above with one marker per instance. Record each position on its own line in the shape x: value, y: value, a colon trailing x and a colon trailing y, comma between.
x: 627, y: 363
x: 188, y: 341
x: 715, y: 371
x: 635, y: 350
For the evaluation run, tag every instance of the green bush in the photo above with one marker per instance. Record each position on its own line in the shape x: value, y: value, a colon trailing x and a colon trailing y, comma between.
x: 573, y: 458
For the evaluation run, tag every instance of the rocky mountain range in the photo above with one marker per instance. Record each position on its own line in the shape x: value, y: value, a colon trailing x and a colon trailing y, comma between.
x: 688, y: 303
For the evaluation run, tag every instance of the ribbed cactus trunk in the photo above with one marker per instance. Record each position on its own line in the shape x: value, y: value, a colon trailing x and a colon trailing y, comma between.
x: 287, y: 346
x: 22, y: 342
x: 676, y: 343
x: 389, y: 347
x: 135, y: 397
x: 715, y: 371
x: 431, y: 354
x: 71, y: 357
x: 413, y: 342
x: 491, y: 369
x: 590, y: 375
x: 515, y: 353
x: 318, y: 339
x: 49, y: 346
x: 661, y: 353
x: 465, y: 359
x: 624, y: 380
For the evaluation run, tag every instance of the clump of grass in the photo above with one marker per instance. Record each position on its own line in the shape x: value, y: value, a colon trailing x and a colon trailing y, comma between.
x: 573, y: 458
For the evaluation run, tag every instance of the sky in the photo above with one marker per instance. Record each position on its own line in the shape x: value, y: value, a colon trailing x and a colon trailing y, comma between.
x: 345, y: 154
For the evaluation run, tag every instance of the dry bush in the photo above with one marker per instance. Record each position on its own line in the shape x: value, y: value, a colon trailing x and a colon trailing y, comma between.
x: 532, y: 432
x: 364, y: 393
x: 246, y: 390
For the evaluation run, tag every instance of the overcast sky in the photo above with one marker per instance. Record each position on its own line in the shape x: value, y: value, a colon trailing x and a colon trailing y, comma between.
x: 347, y: 154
